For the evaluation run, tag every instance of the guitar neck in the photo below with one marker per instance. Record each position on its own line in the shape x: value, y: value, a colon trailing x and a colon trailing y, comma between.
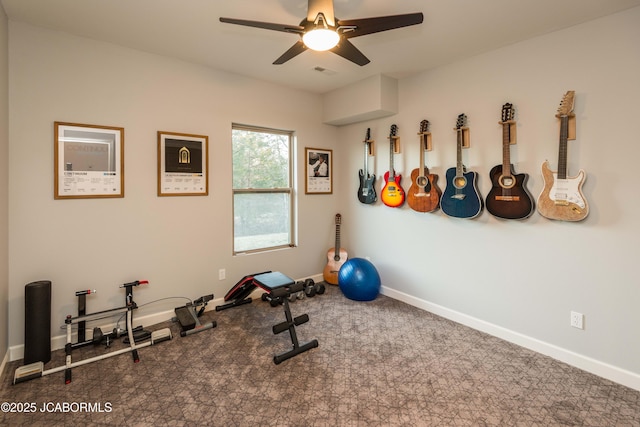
x: 392, y: 172
x: 422, y: 145
x: 562, y: 154
x: 459, y: 165
x: 366, y: 159
x: 506, y: 154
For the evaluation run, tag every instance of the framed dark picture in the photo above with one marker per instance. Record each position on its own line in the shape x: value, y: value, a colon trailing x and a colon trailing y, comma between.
x: 183, y: 164
x: 88, y: 161
x: 319, y: 174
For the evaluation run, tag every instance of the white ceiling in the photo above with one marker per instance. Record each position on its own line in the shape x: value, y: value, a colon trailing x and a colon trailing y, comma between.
x: 190, y: 30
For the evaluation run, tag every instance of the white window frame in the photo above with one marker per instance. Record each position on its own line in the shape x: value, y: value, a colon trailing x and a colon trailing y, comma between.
x: 290, y: 190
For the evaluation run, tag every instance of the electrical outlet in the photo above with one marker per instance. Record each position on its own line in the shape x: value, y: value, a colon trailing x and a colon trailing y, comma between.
x: 577, y: 320
x: 222, y: 274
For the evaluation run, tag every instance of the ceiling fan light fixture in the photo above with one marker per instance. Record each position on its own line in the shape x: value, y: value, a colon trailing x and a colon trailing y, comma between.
x: 321, y: 39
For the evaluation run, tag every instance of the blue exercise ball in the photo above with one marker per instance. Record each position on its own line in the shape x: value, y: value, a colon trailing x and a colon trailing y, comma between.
x: 359, y: 280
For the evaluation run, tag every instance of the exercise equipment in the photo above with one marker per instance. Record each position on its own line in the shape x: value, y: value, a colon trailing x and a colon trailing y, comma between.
x: 36, y: 369
x: 359, y: 280
x: 309, y: 290
x: 189, y: 316
x: 277, y: 287
x: 37, y: 322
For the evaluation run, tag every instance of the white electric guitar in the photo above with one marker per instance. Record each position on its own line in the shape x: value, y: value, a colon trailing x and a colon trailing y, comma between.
x: 562, y: 197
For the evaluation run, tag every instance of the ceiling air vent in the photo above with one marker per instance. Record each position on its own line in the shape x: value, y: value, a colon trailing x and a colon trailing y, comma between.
x: 324, y: 70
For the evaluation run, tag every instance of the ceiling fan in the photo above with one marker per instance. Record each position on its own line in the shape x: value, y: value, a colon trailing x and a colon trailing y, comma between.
x: 321, y: 31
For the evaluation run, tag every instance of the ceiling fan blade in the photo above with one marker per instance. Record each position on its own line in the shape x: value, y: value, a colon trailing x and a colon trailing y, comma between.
x: 321, y: 6
x: 347, y: 50
x: 297, y: 29
x: 293, y: 51
x: 375, y: 25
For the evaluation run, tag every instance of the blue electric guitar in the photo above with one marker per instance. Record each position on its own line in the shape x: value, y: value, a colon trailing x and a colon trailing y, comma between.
x: 461, y: 198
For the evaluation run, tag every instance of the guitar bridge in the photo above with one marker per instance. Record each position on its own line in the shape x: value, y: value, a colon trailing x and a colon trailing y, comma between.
x: 508, y: 198
x: 458, y: 196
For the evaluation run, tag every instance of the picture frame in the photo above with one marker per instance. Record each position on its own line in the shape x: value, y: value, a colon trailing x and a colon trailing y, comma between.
x: 183, y: 164
x: 88, y: 161
x: 319, y: 171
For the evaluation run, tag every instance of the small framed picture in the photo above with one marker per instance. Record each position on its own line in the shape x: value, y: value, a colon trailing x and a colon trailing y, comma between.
x: 319, y: 174
x: 88, y: 161
x: 183, y: 164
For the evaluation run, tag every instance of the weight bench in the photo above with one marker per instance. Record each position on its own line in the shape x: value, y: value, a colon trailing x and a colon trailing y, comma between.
x: 278, y: 286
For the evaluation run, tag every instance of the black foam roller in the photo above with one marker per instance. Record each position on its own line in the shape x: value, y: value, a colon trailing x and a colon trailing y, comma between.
x: 37, y: 322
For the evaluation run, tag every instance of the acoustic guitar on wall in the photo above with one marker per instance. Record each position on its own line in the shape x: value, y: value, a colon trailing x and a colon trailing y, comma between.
x: 366, y: 190
x: 508, y: 197
x: 336, y: 256
x: 392, y: 193
x: 461, y: 198
x: 561, y: 198
x: 424, y: 194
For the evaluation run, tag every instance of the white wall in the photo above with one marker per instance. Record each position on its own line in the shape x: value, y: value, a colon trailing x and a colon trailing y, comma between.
x: 516, y: 279
x: 4, y: 181
x: 177, y: 243
x: 525, y: 276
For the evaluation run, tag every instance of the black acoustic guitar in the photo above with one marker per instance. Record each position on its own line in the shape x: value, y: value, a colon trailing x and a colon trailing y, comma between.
x: 508, y: 198
x: 366, y: 190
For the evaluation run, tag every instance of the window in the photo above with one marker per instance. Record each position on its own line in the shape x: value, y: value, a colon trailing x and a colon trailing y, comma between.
x: 262, y: 189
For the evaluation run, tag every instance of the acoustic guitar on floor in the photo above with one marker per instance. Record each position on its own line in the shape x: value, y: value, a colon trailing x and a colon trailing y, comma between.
x: 392, y: 193
x: 561, y: 198
x: 461, y: 198
x: 424, y: 194
x: 366, y: 190
x: 336, y: 256
x: 508, y: 197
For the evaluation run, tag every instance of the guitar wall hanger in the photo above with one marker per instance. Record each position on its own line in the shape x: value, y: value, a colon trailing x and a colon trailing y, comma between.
x: 571, y: 129
x: 395, y: 140
x: 427, y: 140
x: 466, y: 139
x: 371, y: 147
x: 512, y: 131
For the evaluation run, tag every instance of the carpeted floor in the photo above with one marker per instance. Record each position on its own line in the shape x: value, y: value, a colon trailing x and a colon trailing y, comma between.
x: 379, y: 363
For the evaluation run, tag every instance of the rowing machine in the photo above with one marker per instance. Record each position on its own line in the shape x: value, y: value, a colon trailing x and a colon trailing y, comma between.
x: 36, y: 369
x: 189, y: 314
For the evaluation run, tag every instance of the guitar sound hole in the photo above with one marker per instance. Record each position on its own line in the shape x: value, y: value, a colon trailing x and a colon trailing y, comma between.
x: 421, y: 181
x: 460, y: 182
x: 507, y: 181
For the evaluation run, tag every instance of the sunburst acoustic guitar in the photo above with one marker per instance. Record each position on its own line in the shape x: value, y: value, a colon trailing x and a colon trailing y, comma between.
x: 392, y: 193
x: 424, y: 194
x: 561, y: 198
x: 508, y: 197
x: 336, y: 256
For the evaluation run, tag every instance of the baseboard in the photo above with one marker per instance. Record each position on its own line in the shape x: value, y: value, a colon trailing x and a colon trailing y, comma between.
x: 596, y: 367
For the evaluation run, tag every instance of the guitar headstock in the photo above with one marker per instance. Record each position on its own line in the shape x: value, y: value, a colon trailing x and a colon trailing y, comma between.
x: 393, y: 131
x: 368, y: 137
x: 338, y: 219
x: 424, y: 126
x: 507, y: 112
x: 461, y: 121
x: 566, y: 105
